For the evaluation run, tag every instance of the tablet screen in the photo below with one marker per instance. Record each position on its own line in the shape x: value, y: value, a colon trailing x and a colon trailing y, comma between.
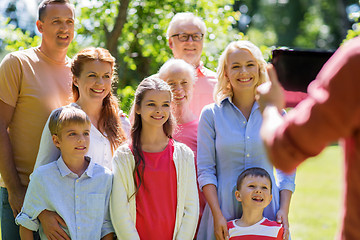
x: 297, y: 68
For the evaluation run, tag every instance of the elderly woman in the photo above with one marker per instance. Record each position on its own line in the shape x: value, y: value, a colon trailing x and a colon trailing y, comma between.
x: 229, y: 142
x: 180, y: 76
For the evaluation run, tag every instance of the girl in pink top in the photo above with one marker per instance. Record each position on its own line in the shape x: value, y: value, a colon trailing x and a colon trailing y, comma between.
x: 154, y: 193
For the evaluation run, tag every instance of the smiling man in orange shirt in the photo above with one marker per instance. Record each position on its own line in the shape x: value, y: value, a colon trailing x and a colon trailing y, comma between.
x: 33, y: 83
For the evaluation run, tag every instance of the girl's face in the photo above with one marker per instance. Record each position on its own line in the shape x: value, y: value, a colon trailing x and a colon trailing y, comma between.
x: 182, y: 85
x: 242, y: 70
x: 154, y: 108
x: 94, y: 82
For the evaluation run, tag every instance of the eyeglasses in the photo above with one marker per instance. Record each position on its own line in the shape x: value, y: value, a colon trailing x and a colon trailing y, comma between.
x: 184, y: 37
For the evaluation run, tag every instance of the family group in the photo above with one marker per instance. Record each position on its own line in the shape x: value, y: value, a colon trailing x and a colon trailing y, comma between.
x: 189, y: 162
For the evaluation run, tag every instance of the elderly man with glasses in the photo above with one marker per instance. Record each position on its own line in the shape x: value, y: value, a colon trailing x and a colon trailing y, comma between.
x: 185, y: 34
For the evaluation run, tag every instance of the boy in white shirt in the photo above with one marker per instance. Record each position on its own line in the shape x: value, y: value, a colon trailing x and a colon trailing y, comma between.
x: 73, y: 186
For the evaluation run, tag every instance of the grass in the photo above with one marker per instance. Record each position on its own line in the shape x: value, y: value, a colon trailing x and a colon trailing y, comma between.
x: 315, y: 206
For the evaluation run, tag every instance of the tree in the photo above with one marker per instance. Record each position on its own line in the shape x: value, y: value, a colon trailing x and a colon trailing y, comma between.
x: 135, y: 32
x: 302, y: 24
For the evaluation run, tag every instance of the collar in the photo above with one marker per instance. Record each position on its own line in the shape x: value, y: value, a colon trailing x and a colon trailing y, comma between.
x: 229, y: 99
x: 200, y: 70
x: 64, y: 170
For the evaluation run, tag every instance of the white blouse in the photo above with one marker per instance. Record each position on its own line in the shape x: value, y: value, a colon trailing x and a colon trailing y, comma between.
x: 99, y: 149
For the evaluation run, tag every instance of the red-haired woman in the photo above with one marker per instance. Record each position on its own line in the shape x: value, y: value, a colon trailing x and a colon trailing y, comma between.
x: 93, y: 74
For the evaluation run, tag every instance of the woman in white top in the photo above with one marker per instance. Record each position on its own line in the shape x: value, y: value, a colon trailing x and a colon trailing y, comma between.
x: 93, y: 73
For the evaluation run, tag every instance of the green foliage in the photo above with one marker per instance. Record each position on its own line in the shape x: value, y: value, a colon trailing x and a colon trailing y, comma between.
x: 297, y: 24
x: 142, y: 46
x: 15, y: 38
x: 355, y: 31
x: 126, y: 97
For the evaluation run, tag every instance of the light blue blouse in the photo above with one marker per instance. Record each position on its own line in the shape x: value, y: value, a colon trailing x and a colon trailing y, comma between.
x: 83, y: 202
x: 227, y: 145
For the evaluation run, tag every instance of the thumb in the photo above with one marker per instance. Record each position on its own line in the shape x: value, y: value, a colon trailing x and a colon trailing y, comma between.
x: 272, y: 74
x: 226, y: 233
x: 279, y: 219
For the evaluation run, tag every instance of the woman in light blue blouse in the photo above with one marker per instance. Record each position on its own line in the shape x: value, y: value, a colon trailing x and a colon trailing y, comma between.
x: 229, y: 142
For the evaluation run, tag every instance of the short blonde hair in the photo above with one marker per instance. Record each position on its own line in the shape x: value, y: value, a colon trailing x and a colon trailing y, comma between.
x: 64, y: 116
x: 185, y: 17
x: 223, y: 88
x: 176, y: 64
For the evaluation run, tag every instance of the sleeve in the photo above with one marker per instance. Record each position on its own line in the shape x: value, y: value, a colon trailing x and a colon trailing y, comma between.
x: 191, y: 206
x: 206, y: 161
x: 107, y: 226
x: 285, y: 180
x: 48, y: 152
x: 280, y: 234
x: 120, y: 209
x: 10, y: 79
x: 34, y: 203
x: 326, y: 115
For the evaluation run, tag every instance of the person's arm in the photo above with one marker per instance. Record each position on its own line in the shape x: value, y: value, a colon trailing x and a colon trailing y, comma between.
x: 122, y: 208
x: 7, y: 166
x: 207, y: 170
x: 26, y: 234
x: 282, y: 216
x: 330, y: 112
x: 109, y: 236
x: 191, y: 206
x: 50, y: 222
x: 220, y: 223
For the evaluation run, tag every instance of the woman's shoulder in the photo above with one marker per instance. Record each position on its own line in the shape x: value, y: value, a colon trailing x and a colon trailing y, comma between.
x: 209, y: 109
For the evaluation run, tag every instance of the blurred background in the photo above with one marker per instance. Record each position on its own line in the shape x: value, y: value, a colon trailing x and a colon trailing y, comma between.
x: 135, y: 30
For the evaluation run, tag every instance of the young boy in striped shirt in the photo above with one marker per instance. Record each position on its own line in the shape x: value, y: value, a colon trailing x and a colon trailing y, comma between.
x: 254, y: 192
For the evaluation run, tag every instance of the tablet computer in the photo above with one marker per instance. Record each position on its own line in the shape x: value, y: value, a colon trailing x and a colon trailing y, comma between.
x: 297, y: 68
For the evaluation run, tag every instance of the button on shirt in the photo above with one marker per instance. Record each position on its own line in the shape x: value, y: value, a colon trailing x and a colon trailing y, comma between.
x: 227, y: 145
x: 83, y: 202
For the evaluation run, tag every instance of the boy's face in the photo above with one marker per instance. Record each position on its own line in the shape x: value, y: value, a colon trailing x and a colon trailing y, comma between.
x: 255, y: 192
x: 73, y: 140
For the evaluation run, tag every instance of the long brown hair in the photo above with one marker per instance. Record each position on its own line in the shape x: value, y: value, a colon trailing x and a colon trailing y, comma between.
x: 150, y: 83
x: 109, y: 119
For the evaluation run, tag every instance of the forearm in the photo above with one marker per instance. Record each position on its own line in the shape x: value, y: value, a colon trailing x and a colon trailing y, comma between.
x: 8, y: 170
x: 220, y: 223
x: 26, y: 234
x: 210, y: 193
x: 109, y: 236
x: 285, y: 198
